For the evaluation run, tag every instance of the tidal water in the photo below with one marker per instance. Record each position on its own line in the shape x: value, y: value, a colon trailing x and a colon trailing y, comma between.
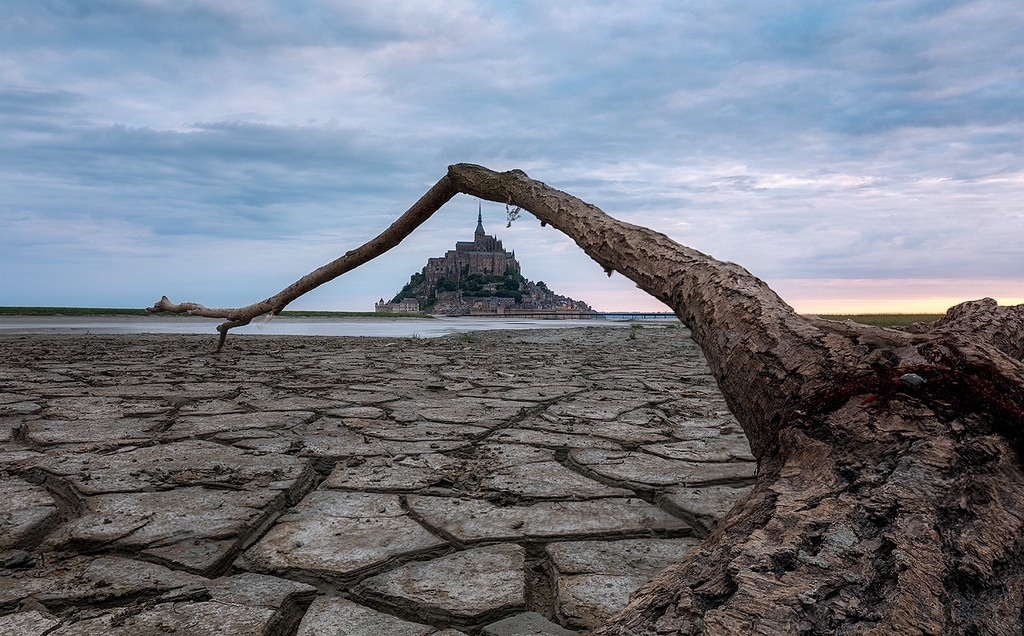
x: 283, y: 326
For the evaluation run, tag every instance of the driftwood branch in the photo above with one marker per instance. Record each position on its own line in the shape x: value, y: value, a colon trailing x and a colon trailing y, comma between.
x: 690, y: 282
x: 889, y: 496
x: 768, y: 359
x: 429, y: 203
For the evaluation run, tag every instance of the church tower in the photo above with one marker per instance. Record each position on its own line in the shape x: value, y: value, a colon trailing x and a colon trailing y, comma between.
x: 479, y: 234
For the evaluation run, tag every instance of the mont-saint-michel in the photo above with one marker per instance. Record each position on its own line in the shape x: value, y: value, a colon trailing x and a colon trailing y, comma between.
x: 480, y: 278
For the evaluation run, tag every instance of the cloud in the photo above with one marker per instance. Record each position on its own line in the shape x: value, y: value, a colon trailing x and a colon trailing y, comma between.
x: 842, y: 141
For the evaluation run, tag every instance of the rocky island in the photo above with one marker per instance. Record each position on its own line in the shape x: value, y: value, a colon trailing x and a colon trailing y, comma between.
x: 480, y: 278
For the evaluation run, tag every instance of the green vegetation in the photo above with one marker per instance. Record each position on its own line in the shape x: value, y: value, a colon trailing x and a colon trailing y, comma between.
x: 70, y: 311
x: 482, y: 284
x: 884, y: 320
x: 507, y: 285
x: 106, y: 311
x: 409, y: 290
x: 503, y: 290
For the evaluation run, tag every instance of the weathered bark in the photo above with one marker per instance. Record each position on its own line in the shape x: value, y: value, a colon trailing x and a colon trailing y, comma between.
x: 881, y: 505
x: 879, y: 508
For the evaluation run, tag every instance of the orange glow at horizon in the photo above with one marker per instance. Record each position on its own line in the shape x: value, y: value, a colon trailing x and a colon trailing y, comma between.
x: 843, y: 296
x: 891, y: 296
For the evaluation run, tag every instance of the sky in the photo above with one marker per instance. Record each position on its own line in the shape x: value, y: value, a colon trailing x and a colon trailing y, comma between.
x: 857, y: 156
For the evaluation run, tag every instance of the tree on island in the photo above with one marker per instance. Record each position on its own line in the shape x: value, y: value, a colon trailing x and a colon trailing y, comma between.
x: 889, y: 494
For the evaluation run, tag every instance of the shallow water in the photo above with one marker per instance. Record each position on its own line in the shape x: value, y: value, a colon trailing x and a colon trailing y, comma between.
x: 283, y: 326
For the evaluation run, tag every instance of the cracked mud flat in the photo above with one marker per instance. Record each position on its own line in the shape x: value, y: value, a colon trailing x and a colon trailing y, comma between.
x: 507, y: 482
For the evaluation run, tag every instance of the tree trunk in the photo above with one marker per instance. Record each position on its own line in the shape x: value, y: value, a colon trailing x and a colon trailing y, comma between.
x: 889, y: 496
x: 879, y: 507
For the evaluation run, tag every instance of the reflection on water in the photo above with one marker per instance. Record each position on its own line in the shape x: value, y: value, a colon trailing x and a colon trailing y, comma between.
x: 280, y: 326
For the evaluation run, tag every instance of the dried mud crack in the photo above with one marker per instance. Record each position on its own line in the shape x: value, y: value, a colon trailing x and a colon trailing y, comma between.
x: 517, y: 481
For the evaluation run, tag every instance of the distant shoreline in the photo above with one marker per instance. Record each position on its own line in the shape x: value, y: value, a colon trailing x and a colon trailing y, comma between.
x: 386, y: 325
x: 883, y: 320
x: 109, y: 311
x: 877, y: 320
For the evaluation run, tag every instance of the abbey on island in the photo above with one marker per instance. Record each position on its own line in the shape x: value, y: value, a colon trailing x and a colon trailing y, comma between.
x: 480, y: 278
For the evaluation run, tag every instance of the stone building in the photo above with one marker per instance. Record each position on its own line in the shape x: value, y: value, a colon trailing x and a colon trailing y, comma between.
x: 404, y: 306
x: 483, y: 255
x: 480, y: 278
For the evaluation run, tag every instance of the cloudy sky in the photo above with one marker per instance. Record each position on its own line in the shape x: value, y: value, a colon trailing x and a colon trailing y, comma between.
x: 858, y: 156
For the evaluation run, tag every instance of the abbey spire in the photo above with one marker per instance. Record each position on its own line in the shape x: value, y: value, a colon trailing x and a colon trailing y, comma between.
x: 479, y: 222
